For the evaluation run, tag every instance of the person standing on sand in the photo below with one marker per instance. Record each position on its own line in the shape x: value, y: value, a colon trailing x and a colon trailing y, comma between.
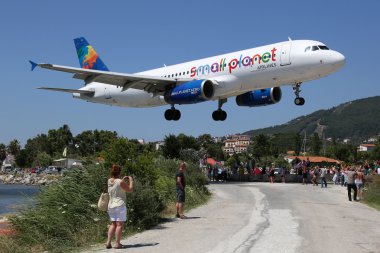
x: 117, y: 207
x: 180, y: 190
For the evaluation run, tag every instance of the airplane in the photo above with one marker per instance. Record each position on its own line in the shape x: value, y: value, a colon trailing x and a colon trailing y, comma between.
x: 253, y: 76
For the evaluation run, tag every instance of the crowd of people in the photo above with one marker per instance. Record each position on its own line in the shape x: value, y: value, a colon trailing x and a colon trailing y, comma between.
x: 352, y: 177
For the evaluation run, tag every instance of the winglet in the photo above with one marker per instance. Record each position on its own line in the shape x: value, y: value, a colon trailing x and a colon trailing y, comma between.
x: 34, y: 65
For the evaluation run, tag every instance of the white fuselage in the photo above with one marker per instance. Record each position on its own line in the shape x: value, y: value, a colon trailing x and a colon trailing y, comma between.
x: 235, y: 73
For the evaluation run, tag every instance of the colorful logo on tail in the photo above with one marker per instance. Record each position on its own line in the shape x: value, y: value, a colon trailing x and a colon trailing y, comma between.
x: 88, y: 58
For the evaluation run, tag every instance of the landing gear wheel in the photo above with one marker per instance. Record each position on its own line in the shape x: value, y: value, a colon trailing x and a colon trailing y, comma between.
x: 219, y: 115
x: 169, y: 114
x: 177, y: 115
x: 172, y: 114
x: 299, y: 101
x: 224, y: 116
x: 215, y: 115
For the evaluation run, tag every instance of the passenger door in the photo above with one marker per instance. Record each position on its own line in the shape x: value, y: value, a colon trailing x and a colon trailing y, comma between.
x: 285, y: 53
x: 107, y: 93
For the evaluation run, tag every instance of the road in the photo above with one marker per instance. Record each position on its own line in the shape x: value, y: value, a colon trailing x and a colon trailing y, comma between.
x: 263, y: 217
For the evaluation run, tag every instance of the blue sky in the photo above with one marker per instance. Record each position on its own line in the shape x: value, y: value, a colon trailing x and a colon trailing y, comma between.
x: 133, y: 36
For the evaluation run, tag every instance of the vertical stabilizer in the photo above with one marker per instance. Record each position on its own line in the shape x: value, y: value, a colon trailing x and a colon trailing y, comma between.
x: 88, y: 58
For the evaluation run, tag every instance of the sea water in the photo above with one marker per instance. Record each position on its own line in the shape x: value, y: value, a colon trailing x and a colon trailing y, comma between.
x: 13, y: 197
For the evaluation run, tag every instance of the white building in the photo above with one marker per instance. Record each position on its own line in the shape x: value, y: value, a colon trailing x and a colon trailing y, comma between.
x: 236, y: 144
x: 67, y: 163
x: 366, y: 147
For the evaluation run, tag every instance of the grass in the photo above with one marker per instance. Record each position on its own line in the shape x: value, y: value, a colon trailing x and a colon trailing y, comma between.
x: 372, y: 191
x: 64, y: 217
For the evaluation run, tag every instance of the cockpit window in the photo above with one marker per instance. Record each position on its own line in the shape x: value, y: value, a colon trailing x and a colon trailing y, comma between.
x: 323, y: 47
x: 314, y: 48
x: 307, y: 49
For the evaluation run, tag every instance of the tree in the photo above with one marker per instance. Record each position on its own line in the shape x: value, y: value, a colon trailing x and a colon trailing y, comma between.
x: 375, y: 154
x: 187, y: 142
x: 120, y: 151
x: 260, y: 146
x: 14, y: 147
x: 60, y: 139
x: 3, y: 152
x: 316, y: 144
x: 23, y: 159
x: 297, y: 143
x: 232, y: 161
x: 171, y: 147
x: 43, y: 160
x: 85, y: 143
x: 215, y: 150
x: 204, y: 140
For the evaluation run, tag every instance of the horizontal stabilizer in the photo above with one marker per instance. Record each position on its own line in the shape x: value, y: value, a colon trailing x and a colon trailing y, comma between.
x: 87, y: 92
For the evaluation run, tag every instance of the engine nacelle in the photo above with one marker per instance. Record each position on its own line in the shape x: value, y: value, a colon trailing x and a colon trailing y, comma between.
x: 191, y: 93
x: 259, y: 97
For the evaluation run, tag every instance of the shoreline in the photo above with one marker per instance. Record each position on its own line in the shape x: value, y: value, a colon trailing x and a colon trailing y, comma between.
x: 28, y: 179
x: 5, y: 226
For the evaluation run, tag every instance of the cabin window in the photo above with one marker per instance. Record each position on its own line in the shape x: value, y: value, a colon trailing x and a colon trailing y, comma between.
x: 323, y: 47
x: 314, y: 48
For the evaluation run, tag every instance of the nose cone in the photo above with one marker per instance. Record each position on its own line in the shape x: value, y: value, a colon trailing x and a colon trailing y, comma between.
x: 337, y: 60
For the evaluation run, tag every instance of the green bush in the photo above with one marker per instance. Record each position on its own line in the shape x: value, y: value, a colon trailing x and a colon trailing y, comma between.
x: 144, y: 206
x: 63, y: 211
x: 165, y: 187
x: 65, y: 217
x: 372, y: 191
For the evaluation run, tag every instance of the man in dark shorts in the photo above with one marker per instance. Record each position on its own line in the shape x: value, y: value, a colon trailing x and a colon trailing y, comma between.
x: 180, y: 190
x: 351, y: 174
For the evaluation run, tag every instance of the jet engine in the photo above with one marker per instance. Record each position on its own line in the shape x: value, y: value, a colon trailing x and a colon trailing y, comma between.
x: 191, y: 92
x: 259, y: 97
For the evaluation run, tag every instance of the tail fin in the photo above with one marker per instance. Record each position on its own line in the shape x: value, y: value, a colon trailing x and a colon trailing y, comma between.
x: 88, y: 58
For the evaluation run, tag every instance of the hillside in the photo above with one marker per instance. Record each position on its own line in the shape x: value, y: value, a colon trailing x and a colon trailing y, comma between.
x: 357, y: 120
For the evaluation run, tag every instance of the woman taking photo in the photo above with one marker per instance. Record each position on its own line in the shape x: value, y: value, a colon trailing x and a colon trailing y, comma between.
x: 117, y: 208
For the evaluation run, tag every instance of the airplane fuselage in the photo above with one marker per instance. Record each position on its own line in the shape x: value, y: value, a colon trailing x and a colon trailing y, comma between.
x: 274, y: 65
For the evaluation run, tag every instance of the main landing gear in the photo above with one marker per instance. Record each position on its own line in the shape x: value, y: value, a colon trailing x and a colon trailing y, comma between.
x: 298, y: 100
x: 172, y: 114
x: 220, y: 114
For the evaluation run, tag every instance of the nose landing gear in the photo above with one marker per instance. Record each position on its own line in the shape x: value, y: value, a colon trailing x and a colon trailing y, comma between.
x: 172, y: 114
x: 220, y: 114
x: 298, y: 100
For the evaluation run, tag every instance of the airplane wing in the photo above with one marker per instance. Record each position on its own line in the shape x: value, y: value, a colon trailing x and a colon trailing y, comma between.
x: 86, y: 92
x: 152, y: 84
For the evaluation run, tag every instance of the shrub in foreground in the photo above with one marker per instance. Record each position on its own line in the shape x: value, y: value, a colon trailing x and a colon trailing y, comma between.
x: 65, y: 216
x: 372, y: 191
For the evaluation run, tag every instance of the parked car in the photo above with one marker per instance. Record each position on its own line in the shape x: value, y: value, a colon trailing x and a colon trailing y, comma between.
x: 51, y: 170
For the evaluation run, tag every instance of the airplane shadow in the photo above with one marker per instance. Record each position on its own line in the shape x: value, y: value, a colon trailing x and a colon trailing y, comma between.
x: 168, y: 220
x: 140, y: 245
x: 192, y: 218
